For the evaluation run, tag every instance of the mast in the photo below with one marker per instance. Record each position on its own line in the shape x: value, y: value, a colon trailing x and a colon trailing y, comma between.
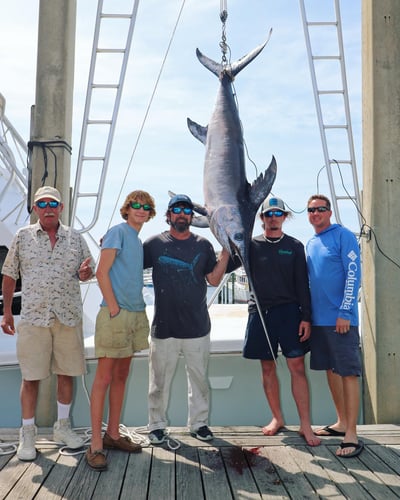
x: 51, y: 129
x: 381, y: 207
x: 51, y: 120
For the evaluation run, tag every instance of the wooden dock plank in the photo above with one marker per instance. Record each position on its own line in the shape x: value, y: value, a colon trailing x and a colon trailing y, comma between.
x: 315, y: 473
x: 212, y: 467
x: 59, y: 477
x: 290, y: 473
x: 337, y: 471
x: 11, y: 475
x: 109, y: 484
x: 162, y: 474
x: 240, y: 477
x: 268, y: 482
x: 188, y: 476
x: 137, y: 475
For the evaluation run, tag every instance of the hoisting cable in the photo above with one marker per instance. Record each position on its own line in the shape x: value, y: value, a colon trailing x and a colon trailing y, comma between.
x: 223, y: 15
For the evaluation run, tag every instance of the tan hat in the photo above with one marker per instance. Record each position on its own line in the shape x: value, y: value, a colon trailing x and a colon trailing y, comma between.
x: 273, y: 203
x: 47, y: 192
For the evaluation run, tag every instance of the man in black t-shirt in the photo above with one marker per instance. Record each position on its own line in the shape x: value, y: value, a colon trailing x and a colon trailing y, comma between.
x: 280, y: 281
x: 181, y: 262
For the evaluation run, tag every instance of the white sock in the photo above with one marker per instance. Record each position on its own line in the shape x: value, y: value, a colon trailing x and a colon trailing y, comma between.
x: 28, y: 421
x: 63, y: 410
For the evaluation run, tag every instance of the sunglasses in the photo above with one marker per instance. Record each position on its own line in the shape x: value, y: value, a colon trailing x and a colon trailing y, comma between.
x: 273, y: 213
x: 185, y: 210
x: 136, y: 206
x: 311, y: 210
x: 45, y: 204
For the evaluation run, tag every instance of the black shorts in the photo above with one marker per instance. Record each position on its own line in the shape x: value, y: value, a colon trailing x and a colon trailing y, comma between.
x: 282, y: 324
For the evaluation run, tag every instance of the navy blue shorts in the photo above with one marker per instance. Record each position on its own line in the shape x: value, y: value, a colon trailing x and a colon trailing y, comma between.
x: 339, y: 352
x: 282, y: 324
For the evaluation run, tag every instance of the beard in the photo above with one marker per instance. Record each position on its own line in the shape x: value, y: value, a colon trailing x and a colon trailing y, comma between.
x: 180, y: 225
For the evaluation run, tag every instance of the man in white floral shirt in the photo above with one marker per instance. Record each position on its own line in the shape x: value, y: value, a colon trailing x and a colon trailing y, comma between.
x: 51, y: 258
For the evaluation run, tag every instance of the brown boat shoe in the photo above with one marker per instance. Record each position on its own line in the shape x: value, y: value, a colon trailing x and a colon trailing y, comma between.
x: 124, y: 443
x: 96, y: 460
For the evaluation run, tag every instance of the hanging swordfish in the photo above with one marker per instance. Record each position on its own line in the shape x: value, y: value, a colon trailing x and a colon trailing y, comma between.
x: 231, y: 202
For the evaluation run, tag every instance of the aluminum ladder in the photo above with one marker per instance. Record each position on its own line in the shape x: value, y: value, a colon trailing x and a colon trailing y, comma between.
x: 92, y: 169
x: 346, y: 166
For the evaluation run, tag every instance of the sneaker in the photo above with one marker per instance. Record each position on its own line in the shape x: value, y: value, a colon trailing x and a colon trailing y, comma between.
x: 157, y: 436
x: 96, y: 460
x: 203, y: 433
x: 62, y: 433
x: 27, y: 437
x: 123, y: 443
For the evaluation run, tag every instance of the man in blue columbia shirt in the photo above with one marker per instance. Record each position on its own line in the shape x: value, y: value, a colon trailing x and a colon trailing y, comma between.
x: 333, y: 260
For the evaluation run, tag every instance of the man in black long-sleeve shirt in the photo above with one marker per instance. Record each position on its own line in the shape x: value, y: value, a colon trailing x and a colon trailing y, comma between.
x: 280, y: 282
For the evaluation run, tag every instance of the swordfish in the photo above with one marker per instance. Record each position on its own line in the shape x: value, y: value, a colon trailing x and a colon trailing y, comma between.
x: 230, y: 201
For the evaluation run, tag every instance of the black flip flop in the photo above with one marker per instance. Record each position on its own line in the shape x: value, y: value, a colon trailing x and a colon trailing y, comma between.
x: 330, y: 432
x: 358, y: 448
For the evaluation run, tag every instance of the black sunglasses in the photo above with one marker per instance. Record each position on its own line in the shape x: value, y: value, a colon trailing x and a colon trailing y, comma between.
x: 311, y: 210
x: 137, y: 206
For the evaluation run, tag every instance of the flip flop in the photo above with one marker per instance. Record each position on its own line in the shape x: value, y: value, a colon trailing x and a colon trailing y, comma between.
x: 358, y: 448
x: 329, y: 432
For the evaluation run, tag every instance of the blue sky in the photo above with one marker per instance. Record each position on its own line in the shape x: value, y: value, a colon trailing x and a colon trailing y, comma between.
x: 274, y: 93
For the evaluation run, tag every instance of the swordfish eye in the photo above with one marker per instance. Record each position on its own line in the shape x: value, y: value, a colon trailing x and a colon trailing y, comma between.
x: 238, y: 236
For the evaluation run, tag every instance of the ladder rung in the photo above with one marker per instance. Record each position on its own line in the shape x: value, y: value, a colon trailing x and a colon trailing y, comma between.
x: 105, y: 86
x: 341, y: 162
x: 99, y: 122
x: 116, y: 16
x: 326, y: 58
x: 325, y: 92
x: 335, y: 126
x: 322, y: 23
x: 346, y: 197
x: 110, y: 51
x: 87, y: 195
x: 92, y: 158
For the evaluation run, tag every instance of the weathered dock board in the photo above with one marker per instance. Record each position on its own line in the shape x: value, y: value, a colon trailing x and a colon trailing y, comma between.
x: 240, y: 463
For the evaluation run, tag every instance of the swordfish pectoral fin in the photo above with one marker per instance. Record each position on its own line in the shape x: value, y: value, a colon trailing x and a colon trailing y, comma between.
x: 261, y: 187
x: 200, y: 221
x: 197, y: 130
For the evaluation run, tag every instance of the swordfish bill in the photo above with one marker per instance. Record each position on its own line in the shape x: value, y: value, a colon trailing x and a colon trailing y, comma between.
x: 230, y: 201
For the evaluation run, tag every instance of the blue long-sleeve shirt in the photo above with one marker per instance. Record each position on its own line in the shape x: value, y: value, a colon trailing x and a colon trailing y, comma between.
x: 334, y: 267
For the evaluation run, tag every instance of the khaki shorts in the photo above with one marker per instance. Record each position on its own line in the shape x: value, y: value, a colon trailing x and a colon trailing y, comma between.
x: 44, y: 350
x: 121, y: 336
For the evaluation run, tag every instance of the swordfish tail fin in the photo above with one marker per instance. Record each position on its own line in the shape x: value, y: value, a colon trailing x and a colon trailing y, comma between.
x: 231, y: 69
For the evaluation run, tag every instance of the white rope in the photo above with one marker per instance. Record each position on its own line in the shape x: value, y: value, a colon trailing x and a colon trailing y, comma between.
x: 8, y: 448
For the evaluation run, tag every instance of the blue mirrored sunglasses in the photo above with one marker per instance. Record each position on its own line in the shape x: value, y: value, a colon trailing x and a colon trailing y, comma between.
x: 185, y: 210
x: 311, y: 210
x: 45, y: 204
x: 137, y: 206
x: 275, y: 213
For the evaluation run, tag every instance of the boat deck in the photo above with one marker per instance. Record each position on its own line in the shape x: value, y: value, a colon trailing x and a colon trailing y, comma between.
x: 240, y: 463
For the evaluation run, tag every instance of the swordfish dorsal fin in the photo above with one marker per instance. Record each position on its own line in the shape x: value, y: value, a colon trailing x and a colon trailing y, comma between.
x: 261, y: 187
x: 231, y: 69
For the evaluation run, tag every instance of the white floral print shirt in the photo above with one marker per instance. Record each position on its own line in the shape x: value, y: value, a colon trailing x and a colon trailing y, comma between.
x: 50, y: 283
